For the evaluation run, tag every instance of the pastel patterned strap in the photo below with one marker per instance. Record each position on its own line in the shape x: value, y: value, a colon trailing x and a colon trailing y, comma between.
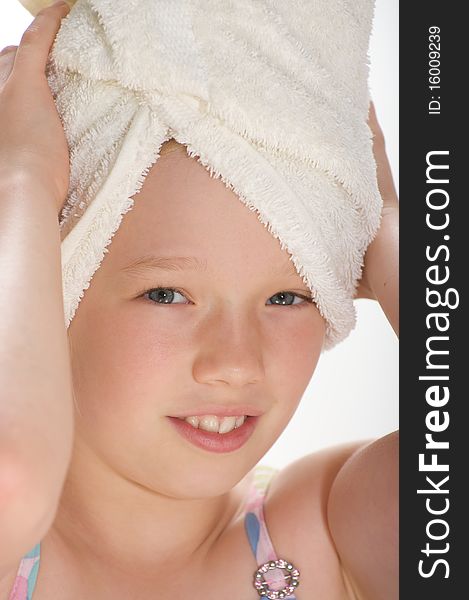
x: 270, y: 579
x: 26, y: 576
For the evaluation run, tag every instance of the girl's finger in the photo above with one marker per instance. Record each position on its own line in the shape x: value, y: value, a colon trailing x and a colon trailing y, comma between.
x: 7, y: 59
x: 7, y: 49
x: 33, y: 51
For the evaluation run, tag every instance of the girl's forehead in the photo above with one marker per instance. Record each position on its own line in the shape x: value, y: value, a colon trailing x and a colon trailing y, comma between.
x: 183, y: 212
x: 181, y: 199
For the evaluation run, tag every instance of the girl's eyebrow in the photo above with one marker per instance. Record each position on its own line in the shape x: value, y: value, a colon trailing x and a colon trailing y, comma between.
x: 166, y: 263
x: 181, y: 263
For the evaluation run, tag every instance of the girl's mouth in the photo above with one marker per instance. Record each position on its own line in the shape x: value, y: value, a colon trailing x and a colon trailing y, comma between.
x: 212, y: 440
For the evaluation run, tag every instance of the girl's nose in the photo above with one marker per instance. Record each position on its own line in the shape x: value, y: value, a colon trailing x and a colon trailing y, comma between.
x: 230, y: 353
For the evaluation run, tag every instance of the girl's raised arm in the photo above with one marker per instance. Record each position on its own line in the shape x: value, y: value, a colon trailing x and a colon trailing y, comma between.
x: 36, y: 397
x: 363, y: 500
x: 380, y: 277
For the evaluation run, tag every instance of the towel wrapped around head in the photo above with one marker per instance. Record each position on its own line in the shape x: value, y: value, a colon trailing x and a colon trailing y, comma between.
x: 270, y: 96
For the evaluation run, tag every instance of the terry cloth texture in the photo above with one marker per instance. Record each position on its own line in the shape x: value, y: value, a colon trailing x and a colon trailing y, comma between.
x: 270, y: 96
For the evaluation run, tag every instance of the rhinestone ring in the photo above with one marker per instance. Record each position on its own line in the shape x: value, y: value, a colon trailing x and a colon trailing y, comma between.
x: 292, y: 577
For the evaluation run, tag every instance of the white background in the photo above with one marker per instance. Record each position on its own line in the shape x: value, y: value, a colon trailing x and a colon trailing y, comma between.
x: 354, y: 391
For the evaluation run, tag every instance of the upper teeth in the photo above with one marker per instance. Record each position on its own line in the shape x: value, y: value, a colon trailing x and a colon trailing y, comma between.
x: 216, y: 424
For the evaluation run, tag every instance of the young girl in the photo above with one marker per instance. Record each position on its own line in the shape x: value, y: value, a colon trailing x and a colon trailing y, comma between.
x: 130, y: 448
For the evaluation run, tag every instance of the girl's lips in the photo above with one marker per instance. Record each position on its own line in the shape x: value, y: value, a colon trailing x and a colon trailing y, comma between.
x: 216, y: 442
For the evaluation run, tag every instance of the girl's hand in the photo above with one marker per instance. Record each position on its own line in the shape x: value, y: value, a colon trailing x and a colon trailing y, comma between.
x: 33, y: 146
x: 380, y: 276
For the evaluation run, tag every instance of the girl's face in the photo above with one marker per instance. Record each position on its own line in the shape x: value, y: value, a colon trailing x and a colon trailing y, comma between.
x: 227, y: 336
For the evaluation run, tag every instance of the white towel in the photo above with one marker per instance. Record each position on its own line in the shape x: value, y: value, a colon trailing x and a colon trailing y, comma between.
x: 269, y: 95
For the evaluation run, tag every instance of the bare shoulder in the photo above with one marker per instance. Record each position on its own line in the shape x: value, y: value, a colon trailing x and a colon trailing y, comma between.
x: 296, y: 516
x: 363, y: 517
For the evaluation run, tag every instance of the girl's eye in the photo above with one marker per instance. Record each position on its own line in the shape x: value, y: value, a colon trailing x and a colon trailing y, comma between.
x: 285, y: 296
x: 165, y: 295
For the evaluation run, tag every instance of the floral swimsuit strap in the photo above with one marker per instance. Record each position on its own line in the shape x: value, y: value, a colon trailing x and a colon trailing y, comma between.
x: 274, y: 577
x: 26, y: 576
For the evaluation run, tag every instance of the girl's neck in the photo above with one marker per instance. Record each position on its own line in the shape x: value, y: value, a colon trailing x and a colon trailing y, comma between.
x: 113, y: 523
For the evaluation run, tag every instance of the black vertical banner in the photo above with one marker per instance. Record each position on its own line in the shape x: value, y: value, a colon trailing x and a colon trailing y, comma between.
x: 434, y: 267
